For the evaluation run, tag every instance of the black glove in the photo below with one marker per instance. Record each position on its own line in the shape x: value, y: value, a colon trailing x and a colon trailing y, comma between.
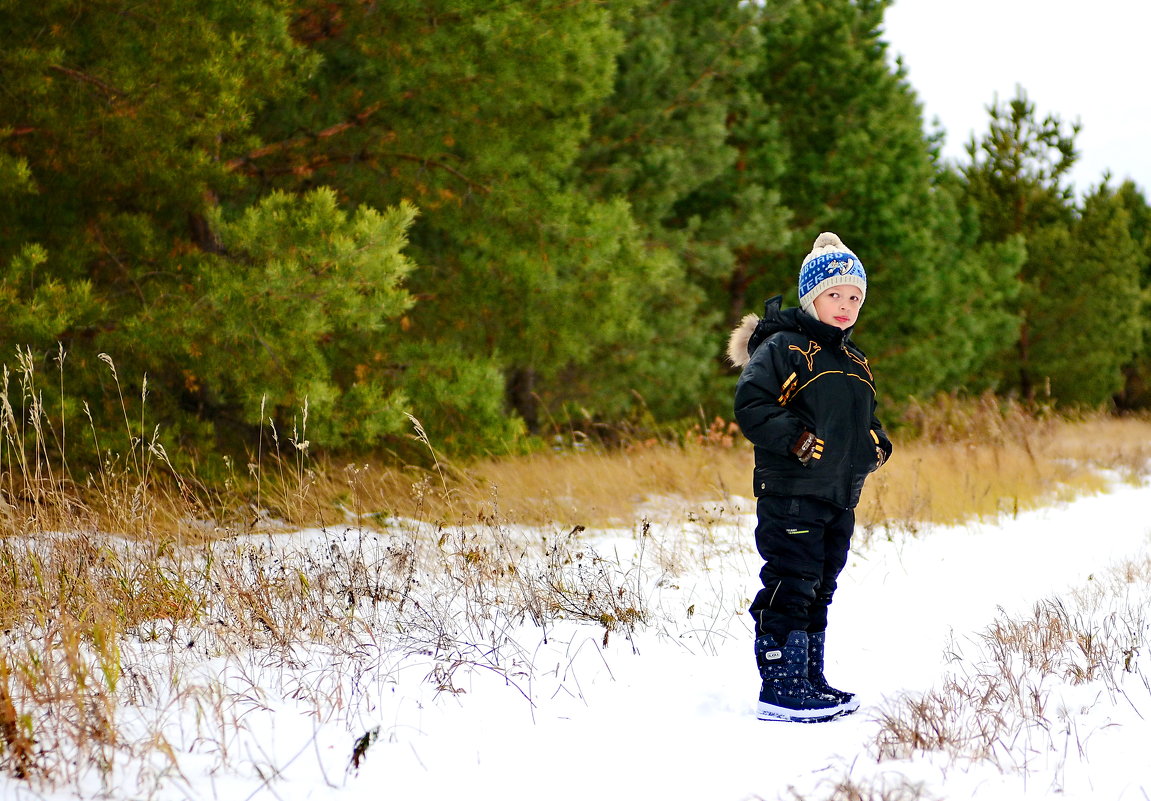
x: 882, y: 450
x: 807, y: 447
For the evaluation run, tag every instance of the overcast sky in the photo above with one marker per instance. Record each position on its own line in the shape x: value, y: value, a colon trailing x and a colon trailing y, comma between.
x: 1075, y: 59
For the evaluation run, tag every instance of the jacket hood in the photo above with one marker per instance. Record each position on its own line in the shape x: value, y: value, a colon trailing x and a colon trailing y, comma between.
x: 753, y: 329
x: 738, y: 344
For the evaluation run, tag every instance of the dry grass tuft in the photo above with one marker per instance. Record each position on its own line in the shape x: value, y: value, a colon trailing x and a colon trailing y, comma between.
x: 879, y: 788
x: 1008, y: 694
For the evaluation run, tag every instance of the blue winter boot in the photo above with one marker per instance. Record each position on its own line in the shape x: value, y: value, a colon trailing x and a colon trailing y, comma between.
x: 815, y: 643
x: 787, y: 693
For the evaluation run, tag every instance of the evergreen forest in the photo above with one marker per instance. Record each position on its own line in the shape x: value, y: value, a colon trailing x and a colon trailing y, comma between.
x: 511, y: 218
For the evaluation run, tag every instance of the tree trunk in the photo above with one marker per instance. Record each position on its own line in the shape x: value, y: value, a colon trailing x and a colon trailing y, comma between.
x: 521, y: 396
x: 737, y: 295
x: 1026, y: 386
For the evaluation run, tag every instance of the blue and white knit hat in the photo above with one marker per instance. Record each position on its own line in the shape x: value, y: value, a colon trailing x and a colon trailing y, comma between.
x: 828, y: 264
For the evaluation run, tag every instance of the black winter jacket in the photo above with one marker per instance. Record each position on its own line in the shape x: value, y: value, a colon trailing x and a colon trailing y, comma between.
x: 802, y: 374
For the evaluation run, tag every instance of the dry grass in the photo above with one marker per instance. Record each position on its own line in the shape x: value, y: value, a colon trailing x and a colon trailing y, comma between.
x: 981, y: 459
x: 596, y: 486
x: 1002, y: 705
x: 880, y: 788
x: 95, y: 626
x: 956, y: 463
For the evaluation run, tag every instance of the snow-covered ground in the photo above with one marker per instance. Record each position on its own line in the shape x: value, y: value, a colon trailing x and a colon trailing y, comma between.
x: 519, y: 711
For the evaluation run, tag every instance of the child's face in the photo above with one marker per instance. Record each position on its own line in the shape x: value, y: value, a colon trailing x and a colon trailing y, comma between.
x: 839, y: 305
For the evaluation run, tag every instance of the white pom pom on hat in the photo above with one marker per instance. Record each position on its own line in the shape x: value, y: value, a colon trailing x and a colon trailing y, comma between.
x: 828, y: 264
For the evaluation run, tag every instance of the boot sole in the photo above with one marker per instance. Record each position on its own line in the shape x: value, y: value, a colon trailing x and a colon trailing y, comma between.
x: 850, y: 706
x: 783, y: 714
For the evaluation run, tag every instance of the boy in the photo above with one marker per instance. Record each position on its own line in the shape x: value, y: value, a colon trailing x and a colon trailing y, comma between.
x: 806, y: 400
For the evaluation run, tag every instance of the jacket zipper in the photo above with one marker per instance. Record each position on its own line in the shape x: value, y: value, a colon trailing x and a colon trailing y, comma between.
x: 854, y: 415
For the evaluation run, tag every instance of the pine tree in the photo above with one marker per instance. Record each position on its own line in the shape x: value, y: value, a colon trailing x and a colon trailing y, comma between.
x: 1017, y: 172
x: 859, y: 163
x: 1016, y: 179
x: 972, y: 289
x: 130, y: 238
x: 1136, y: 392
x: 295, y: 308
x: 1086, y: 313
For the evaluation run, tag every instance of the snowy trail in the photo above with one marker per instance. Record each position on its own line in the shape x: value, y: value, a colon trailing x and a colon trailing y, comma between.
x: 676, y: 721
x: 908, y: 598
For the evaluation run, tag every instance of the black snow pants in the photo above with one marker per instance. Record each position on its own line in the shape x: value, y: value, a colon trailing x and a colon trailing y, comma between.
x: 804, y: 543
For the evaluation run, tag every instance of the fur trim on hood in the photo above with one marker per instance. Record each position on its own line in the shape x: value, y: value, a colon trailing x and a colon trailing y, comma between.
x: 739, y: 340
